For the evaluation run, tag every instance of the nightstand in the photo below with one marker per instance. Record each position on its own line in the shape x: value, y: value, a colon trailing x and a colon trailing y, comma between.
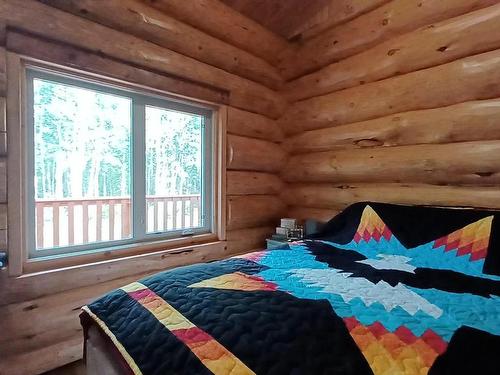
x: 275, y: 244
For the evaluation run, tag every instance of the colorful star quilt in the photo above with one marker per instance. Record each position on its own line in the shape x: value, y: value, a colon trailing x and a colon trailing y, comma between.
x: 383, y: 289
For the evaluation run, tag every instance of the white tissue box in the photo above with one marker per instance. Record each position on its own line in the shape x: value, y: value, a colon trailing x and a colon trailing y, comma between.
x: 288, y: 223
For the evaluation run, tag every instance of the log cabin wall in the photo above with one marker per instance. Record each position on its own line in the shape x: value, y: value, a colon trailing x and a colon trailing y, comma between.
x: 222, y: 58
x: 400, y: 104
x: 391, y: 100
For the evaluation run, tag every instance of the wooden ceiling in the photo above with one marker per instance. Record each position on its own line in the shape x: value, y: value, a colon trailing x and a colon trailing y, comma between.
x: 283, y: 17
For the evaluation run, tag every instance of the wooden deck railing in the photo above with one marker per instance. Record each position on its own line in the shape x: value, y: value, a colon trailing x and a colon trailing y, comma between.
x: 66, y: 222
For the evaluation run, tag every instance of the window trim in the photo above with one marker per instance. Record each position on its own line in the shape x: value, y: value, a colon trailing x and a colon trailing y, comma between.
x: 20, y: 262
x: 139, y: 102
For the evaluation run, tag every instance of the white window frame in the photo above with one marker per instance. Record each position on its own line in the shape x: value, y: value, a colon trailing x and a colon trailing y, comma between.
x: 212, y: 180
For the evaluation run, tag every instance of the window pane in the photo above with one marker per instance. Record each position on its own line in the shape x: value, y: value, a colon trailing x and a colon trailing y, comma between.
x: 82, y: 165
x: 173, y: 170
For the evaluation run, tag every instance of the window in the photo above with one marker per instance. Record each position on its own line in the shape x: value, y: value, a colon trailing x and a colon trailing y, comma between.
x: 107, y: 166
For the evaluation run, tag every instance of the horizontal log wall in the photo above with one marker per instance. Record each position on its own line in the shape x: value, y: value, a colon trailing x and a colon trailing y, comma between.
x: 337, y: 197
x: 333, y: 13
x: 455, y: 82
x: 166, y: 51
x: 224, y: 23
x: 252, y: 125
x: 303, y: 213
x: 458, y: 163
x: 252, y: 210
x: 248, y: 183
x: 249, y: 238
x: 469, y: 121
x: 251, y: 154
x: 254, y: 159
x: 428, y: 46
x: 78, y: 58
x: 384, y: 23
x: 60, y: 26
x: 149, y: 24
x: 398, y: 105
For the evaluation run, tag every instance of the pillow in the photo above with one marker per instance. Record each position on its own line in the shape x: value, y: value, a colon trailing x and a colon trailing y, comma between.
x: 462, y: 240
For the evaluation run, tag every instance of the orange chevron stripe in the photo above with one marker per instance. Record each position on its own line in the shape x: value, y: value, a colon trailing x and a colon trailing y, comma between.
x: 394, y: 352
x: 472, y: 239
x: 371, y: 226
x: 209, y: 351
x: 236, y: 281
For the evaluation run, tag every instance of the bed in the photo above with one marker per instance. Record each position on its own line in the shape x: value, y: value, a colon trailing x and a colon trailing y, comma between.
x: 382, y: 289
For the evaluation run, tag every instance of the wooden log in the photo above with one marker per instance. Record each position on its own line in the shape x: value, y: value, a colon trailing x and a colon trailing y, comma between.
x: 453, y: 163
x: 3, y: 116
x: 3, y: 31
x: 147, y: 23
x: 35, y: 318
x: 3, y: 216
x: 32, y: 343
x: 469, y: 121
x: 216, y: 19
x: 245, y: 240
x: 303, y: 213
x: 339, y: 196
x: 462, y: 36
x: 80, y: 59
x: 384, y: 23
x: 246, y: 183
x: 47, y: 321
x: 3, y: 76
x: 253, y: 210
x: 471, y: 78
x: 44, y: 359
x: 39, y: 19
x: 335, y: 12
x: 3, y: 239
x: 36, y: 285
x: 251, y: 154
x: 12, y: 169
x: 252, y: 125
x: 3, y: 138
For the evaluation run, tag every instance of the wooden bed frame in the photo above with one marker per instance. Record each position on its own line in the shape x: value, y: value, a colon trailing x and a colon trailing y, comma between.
x: 101, y: 357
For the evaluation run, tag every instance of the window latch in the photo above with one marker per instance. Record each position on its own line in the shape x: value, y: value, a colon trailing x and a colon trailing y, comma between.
x: 187, y: 233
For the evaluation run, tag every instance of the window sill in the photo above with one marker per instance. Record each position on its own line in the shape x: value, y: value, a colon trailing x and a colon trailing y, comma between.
x: 122, y: 253
x: 92, y: 279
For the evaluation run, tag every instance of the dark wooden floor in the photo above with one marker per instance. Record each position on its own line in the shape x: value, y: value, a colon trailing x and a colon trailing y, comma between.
x: 75, y: 368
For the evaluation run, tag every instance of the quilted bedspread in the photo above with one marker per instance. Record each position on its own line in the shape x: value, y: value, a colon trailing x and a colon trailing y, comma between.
x: 383, y: 289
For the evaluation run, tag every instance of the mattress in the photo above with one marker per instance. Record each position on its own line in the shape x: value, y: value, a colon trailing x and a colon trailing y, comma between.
x: 383, y: 289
